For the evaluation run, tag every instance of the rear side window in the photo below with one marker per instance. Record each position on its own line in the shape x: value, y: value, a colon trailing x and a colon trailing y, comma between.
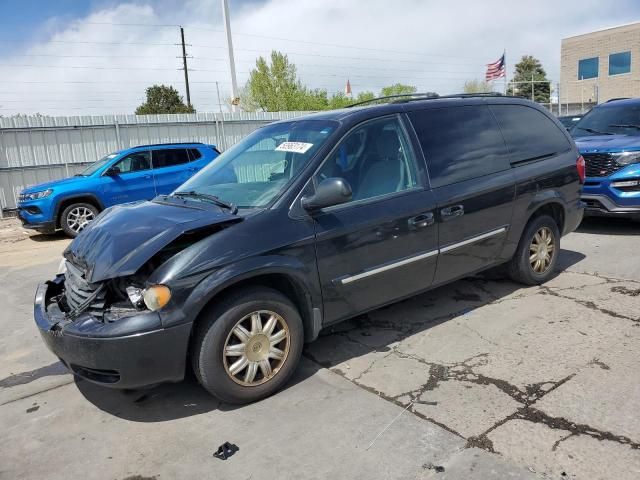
x: 529, y: 134
x: 460, y: 143
x: 169, y: 157
x: 195, y: 154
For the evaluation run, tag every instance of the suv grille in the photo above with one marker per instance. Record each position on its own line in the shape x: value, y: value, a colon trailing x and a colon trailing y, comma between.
x: 600, y: 164
x: 82, y: 296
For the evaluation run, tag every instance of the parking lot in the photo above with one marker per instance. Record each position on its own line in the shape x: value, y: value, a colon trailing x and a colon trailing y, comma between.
x: 478, y: 378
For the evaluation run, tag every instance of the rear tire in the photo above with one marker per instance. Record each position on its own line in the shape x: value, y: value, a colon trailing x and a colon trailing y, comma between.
x: 76, y: 217
x: 246, y: 347
x: 537, y: 254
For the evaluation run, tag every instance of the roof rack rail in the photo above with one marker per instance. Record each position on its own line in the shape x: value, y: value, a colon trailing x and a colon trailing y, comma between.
x: 163, y: 144
x: 618, y: 98
x: 417, y: 96
x: 410, y: 97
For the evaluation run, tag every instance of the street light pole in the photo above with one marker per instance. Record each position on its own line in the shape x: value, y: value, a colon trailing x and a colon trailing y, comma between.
x: 232, y: 64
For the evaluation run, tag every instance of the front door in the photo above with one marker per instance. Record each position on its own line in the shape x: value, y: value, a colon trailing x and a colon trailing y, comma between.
x: 472, y: 182
x: 130, y: 180
x: 382, y: 245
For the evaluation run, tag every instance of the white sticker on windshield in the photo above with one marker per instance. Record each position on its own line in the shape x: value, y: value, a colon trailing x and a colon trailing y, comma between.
x: 295, y: 147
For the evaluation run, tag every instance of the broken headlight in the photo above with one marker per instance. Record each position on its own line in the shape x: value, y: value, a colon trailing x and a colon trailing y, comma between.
x: 135, y: 296
x: 156, y: 297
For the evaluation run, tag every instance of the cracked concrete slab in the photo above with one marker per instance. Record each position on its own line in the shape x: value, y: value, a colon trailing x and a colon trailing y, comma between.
x: 467, y: 408
x: 601, y: 395
x: 557, y: 454
x: 476, y: 464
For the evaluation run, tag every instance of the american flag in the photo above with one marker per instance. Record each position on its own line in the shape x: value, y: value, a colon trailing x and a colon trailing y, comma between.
x: 495, y: 69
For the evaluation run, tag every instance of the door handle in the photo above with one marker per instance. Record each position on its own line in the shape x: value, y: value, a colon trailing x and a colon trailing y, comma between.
x: 146, y: 176
x: 422, y: 220
x: 452, y: 212
x: 193, y: 169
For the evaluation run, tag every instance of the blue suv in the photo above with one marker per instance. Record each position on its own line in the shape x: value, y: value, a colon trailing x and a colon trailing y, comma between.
x: 608, y: 137
x: 138, y: 173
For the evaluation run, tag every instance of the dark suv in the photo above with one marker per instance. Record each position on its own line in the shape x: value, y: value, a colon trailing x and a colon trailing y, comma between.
x: 305, y: 223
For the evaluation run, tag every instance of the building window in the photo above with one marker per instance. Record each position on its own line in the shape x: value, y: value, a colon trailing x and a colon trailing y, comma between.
x: 588, y: 68
x: 619, y: 63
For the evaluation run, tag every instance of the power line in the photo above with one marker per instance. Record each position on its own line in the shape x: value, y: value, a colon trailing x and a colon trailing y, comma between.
x: 86, y: 67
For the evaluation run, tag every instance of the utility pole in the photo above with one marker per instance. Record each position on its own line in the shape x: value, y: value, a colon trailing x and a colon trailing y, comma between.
x: 533, y: 97
x: 218, y: 90
x: 184, y: 66
x: 232, y: 64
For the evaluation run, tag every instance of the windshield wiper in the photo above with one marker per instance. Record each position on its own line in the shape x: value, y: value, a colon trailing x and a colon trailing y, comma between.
x: 625, y: 125
x: 211, y: 198
x: 591, y: 130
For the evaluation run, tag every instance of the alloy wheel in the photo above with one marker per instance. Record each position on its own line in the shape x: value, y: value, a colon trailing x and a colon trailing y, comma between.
x: 542, y: 250
x: 256, y: 348
x: 79, y: 217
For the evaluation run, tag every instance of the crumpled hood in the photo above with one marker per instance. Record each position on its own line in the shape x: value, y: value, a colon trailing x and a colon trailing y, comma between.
x: 54, y: 183
x: 124, y: 237
x: 608, y: 143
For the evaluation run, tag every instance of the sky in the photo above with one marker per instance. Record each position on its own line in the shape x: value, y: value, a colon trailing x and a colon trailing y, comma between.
x: 94, y: 57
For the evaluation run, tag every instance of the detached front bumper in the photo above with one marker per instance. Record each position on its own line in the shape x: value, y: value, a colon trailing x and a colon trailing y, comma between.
x: 129, y: 353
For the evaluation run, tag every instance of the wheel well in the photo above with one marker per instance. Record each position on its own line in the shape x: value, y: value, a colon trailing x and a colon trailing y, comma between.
x: 69, y: 201
x: 554, y: 210
x: 277, y: 281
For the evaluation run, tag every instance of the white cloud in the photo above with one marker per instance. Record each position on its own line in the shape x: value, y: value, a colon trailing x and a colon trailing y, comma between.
x: 431, y: 44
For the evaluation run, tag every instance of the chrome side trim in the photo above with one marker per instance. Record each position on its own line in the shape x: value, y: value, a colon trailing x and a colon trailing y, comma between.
x: 389, y: 266
x: 422, y: 256
x: 492, y: 233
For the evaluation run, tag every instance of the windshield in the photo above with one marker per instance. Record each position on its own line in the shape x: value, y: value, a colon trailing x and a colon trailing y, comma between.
x: 257, y: 169
x: 609, y: 120
x: 95, y: 166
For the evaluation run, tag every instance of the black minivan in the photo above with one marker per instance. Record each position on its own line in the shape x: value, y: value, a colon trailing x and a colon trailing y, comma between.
x: 305, y: 223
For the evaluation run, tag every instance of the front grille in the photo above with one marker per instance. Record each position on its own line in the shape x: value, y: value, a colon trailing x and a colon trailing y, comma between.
x: 80, y: 295
x: 600, y: 164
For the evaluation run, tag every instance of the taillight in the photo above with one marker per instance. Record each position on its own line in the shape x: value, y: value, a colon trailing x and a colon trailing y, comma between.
x: 581, y: 168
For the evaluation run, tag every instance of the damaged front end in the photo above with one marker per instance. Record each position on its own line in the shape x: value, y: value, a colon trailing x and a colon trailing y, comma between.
x: 100, y: 315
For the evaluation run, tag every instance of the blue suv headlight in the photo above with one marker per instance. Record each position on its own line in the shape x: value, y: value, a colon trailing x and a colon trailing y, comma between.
x: 35, y: 195
x: 626, y: 158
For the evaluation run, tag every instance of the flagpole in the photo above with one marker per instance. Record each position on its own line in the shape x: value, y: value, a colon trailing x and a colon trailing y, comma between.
x: 504, y: 55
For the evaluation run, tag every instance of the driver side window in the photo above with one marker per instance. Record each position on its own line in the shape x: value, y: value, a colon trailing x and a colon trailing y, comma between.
x: 134, y: 162
x: 375, y: 158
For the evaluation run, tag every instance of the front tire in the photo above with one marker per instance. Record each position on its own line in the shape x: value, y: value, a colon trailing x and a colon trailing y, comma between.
x: 537, y: 254
x: 76, y: 217
x: 248, y: 346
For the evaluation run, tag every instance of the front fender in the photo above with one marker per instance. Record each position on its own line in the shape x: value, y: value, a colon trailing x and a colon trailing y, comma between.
x: 303, y: 276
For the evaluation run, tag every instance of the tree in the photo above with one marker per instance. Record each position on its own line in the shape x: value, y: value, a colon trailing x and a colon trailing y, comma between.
x: 476, y: 86
x: 527, y: 69
x: 275, y: 87
x: 397, y: 89
x: 163, y: 99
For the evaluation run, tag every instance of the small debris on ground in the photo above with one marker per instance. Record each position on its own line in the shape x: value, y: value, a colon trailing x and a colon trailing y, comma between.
x: 431, y: 466
x: 226, y: 450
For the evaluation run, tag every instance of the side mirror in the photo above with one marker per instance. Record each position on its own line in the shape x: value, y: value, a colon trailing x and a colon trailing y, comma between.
x: 112, y: 172
x: 330, y: 191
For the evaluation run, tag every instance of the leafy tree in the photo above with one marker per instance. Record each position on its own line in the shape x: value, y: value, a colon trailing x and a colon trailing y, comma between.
x: 476, y: 86
x: 163, y: 99
x: 397, y: 89
x: 527, y: 69
x: 275, y: 87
